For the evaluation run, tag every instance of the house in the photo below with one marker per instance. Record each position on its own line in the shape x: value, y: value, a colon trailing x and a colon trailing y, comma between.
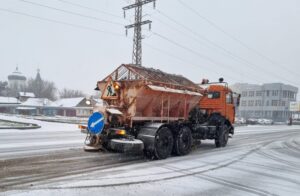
x: 23, y: 96
x: 79, y: 106
x: 8, y: 104
x: 37, y: 106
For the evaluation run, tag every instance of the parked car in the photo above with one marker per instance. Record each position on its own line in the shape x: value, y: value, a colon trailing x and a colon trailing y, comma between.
x: 264, y: 121
x: 240, y: 120
x: 294, y: 122
x: 252, y: 121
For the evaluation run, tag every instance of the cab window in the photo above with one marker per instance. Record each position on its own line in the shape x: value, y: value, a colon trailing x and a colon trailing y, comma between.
x: 213, y: 95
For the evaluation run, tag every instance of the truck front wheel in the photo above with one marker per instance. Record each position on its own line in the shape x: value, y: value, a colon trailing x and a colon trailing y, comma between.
x: 183, y: 141
x: 222, y: 137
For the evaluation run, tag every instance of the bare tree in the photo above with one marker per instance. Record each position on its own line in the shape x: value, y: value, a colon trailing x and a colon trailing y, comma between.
x: 42, y: 88
x: 69, y: 93
x: 3, y: 88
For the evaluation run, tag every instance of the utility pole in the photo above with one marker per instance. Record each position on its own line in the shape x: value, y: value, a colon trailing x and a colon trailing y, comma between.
x: 137, y: 38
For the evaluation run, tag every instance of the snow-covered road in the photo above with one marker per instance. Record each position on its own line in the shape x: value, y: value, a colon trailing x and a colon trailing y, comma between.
x: 51, y: 136
x: 258, y: 160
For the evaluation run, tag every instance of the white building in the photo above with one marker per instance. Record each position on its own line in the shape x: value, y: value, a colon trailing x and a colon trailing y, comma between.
x: 17, y: 80
x: 271, y: 101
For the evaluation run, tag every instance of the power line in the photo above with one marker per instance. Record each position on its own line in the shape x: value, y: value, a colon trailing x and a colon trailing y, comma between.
x: 196, y: 35
x: 55, y: 8
x: 236, y: 39
x: 83, y: 27
x: 184, y: 60
x: 174, y: 28
x: 61, y: 22
x: 222, y: 48
x: 72, y: 13
x: 191, y: 50
x: 91, y: 29
x: 186, y: 48
x: 90, y: 8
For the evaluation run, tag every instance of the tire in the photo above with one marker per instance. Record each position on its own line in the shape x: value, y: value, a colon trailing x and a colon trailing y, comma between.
x: 222, y: 137
x: 163, y: 144
x: 183, y: 141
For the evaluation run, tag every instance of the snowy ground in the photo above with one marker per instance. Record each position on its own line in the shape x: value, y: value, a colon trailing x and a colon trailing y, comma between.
x: 59, y: 119
x: 51, y: 136
x: 7, y: 124
x: 259, y: 160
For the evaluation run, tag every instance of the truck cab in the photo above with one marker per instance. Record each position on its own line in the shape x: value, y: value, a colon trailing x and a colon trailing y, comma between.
x: 219, y: 103
x: 219, y: 99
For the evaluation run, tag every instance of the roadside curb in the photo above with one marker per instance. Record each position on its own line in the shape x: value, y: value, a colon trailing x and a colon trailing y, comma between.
x: 61, y: 121
x: 25, y: 125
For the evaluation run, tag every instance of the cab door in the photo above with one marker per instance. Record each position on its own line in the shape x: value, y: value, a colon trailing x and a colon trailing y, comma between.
x: 230, y: 111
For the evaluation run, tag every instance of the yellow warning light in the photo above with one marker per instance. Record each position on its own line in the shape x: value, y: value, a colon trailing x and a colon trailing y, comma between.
x: 116, y: 86
x: 121, y: 132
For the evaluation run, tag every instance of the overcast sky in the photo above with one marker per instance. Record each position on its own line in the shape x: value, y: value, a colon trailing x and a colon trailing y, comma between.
x: 254, y: 41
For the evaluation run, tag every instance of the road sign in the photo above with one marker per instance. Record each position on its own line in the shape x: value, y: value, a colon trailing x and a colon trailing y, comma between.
x: 96, y: 123
x: 109, y: 92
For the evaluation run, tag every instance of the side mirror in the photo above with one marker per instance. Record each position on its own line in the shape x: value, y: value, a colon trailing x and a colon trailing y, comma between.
x: 238, y: 100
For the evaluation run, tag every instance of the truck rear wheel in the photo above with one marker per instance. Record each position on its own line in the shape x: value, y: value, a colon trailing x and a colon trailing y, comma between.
x: 183, y: 141
x: 222, y: 137
x: 163, y: 143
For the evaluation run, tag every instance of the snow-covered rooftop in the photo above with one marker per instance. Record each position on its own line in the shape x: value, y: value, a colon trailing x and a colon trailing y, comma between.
x: 8, y: 100
x: 69, y: 102
x: 26, y: 94
x: 38, y: 102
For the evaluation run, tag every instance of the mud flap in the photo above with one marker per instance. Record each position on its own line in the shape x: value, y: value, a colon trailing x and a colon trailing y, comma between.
x: 151, y: 136
x: 147, y: 135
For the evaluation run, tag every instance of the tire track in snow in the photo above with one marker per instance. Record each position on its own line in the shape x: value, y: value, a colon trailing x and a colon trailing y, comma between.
x: 209, y: 151
x: 235, y: 185
x: 41, y: 170
x: 240, y: 157
x: 265, y: 174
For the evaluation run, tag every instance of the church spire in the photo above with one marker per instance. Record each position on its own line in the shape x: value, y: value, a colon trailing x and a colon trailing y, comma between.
x: 38, y: 75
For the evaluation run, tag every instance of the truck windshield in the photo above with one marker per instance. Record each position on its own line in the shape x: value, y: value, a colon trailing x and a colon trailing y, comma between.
x: 213, y: 95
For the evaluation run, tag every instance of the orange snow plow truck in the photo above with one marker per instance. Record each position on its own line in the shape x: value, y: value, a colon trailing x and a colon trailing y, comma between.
x: 148, y: 110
